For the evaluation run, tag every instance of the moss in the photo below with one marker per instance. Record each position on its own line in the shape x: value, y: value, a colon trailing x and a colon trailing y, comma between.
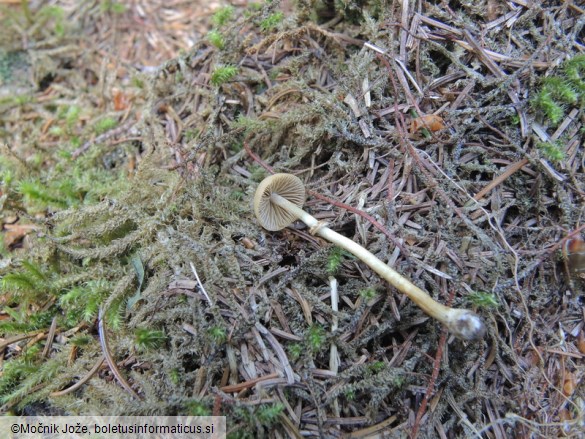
x: 315, y: 337
x: 112, y: 6
x: 217, y: 334
x: 216, y: 38
x: 552, y: 150
x: 483, y: 300
x: 147, y: 339
x: 269, y: 414
x: 104, y: 125
x: 222, y: 16
x: 564, y: 90
x: 223, y: 74
x: 271, y: 22
x: 124, y: 238
x: 368, y: 294
x: 10, y: 63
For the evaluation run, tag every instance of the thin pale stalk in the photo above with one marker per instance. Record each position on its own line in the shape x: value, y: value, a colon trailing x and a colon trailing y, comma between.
x: 458, y: 321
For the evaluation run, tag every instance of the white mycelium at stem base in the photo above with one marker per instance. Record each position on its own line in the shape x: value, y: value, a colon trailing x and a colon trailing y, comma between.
x: 271, y: 194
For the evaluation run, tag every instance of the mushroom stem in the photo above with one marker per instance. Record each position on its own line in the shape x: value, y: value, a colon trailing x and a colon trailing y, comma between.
x: 463, y: 323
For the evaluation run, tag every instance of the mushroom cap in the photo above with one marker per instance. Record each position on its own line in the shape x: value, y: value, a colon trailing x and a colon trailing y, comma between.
x: 271, y: 216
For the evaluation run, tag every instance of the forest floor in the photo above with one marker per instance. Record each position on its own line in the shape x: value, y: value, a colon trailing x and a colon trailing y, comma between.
x: 446, y: 137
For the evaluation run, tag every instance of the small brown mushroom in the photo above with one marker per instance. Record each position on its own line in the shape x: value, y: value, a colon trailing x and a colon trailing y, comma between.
x: 277, y: 203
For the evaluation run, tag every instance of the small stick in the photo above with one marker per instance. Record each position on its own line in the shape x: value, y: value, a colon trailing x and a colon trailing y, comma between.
x: 511, y: 169
x: 247, y: 384
x: 257, y: 159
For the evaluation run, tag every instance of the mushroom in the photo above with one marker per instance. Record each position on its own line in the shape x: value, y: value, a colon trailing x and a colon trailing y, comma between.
x: 277, y: 203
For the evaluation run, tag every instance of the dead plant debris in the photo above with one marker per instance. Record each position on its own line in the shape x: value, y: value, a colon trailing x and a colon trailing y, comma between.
x: 136, y: 280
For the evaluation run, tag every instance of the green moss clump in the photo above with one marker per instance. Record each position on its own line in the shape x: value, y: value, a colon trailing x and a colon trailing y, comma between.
x: 147, y: 339
x: 216, y: 38
x: 271, y: 22
x: 553, y: 151
x: 104, y: 125
x: 315, y: 337
x: 564, y: 90
x: 482, y: 299
x: 222, y: 16
x: 223, y: 74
